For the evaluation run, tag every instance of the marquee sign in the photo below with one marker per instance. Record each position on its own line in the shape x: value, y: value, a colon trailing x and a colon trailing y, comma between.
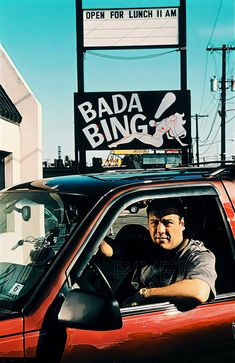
x: 131, y: 27
x: 133, y: 120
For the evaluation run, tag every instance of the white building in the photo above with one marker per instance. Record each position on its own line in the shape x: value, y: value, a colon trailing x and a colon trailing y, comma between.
x: 20, y: 127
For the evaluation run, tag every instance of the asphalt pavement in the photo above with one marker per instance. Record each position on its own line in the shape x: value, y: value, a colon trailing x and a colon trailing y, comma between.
x: 128, y: 218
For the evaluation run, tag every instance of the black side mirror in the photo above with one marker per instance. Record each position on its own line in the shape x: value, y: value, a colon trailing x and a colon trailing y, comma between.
x: 26, y: 213
x: 90, y: 311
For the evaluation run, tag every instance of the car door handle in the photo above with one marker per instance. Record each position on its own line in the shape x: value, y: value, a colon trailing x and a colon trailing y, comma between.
x: 233, y: 330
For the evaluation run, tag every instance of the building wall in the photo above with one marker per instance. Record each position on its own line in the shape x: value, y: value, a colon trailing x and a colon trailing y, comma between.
x: 23, y: 141
x: 10, y: 142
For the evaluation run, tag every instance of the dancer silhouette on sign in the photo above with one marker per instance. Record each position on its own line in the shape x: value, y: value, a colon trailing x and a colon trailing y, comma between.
x: 172, y: 126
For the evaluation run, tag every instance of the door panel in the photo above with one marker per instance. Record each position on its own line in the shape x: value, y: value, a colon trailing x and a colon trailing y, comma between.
x: 11, y: 338
x: 203, y: 332
x: 166, y: 334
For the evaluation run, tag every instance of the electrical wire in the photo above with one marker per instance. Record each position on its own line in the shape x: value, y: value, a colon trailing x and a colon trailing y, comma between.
x: 204, y: 124
x: 230, y: 119
x: 212, y: 126
x: 215, y: 64
x: 204, y: 152
x: 231, y: 98
x: 209, y: 41
x: 204, y: 84
x: 211, y: 106
x: 217, y: 16
x: 212, y: 142
x: 230, y: 68
x: 96, y: 54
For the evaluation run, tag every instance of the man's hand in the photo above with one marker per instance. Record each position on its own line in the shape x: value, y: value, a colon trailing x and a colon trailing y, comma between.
x: 194, y: 290
x: 134, y: 300
x: 106, y: 249
x: 187, y: 289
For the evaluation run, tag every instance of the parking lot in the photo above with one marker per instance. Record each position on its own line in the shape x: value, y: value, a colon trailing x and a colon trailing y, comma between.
x: 128, y: 218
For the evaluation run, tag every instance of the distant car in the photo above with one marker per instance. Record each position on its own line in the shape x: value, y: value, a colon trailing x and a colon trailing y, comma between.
x: 58, y: 304
x: 134, y: 208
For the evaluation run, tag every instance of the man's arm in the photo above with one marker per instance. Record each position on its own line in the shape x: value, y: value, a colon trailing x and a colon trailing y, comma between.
x: 185, y: 289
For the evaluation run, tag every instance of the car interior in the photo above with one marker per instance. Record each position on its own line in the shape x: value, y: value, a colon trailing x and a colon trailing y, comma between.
x: 131, y: 245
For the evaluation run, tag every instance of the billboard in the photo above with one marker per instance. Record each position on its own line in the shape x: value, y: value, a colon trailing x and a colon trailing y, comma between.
x: 115, y: 28
x: 132, y: 120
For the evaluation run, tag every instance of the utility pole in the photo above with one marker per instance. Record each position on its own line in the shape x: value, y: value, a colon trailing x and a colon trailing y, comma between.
x: 224, y: 50
x: 196, y: 116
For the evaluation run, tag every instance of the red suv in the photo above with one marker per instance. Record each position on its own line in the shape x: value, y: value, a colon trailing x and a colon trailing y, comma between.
x: 60, y: 303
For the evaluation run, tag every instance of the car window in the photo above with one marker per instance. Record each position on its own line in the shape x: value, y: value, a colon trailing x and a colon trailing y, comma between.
x: 132, y: 248
x: 34, y: 226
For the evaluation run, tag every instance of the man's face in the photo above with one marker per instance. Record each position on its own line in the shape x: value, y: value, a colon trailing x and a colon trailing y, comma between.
x: 166, y: 230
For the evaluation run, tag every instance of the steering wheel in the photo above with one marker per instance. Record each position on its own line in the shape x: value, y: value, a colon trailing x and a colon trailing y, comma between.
x: 101, y: 277
x: 93, y: 279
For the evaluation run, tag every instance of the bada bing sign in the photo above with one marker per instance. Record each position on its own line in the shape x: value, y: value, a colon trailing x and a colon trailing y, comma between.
x: 133, y: 120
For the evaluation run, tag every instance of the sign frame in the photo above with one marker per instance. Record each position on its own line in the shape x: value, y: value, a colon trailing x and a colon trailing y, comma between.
x: 133, y: 120
x: 133, y: 26
x: 80, y: 151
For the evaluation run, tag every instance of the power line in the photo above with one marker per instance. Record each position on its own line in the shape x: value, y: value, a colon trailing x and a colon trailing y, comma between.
x: 230, y: 119
x: 102, y: 55
x: 217, y: 16
x: 212, y: 126
x: 205, y: 72
x: 204, y: 152
x: 209, y: 110
x: 196, y: 116
x: 211, y: 106
x: 216, y: 142
x: 204, y: 84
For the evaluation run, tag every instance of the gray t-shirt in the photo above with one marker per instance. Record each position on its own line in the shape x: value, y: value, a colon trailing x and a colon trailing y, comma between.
x: 194, y: 261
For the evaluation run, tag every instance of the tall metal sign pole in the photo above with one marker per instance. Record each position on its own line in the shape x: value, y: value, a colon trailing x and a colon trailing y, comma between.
x: 93, y: 130
x: 182, y: 42
x: 79, y: 148
x: 186, y: 153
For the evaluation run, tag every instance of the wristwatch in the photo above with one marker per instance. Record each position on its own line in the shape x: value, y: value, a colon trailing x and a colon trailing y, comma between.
x: 143, y: 292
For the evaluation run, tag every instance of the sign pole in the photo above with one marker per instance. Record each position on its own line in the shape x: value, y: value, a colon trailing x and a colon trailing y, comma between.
x: 79, y: 147
x: 186, y: 152
x: 89, y: 136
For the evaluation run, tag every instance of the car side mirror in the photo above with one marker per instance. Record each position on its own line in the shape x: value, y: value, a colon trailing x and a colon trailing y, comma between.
x: 90, y: 311
x: 26, y: 213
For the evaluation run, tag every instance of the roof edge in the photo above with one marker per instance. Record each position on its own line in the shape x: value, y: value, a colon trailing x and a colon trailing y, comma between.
x: 15, y: 69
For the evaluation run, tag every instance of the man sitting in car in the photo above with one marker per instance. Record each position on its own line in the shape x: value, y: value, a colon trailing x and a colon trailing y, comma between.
x: 182, y: 269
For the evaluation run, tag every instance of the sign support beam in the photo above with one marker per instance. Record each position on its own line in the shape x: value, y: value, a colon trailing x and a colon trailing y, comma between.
x: 82, y: 45
x: 80, y: 163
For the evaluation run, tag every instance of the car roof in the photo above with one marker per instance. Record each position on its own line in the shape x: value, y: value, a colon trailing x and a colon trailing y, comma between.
x: 101, y: 183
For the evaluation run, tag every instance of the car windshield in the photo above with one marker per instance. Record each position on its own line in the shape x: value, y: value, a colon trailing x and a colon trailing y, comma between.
x: 33, y: 228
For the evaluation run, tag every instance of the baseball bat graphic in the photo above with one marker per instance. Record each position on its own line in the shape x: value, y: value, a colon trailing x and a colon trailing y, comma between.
x: 167, y: 101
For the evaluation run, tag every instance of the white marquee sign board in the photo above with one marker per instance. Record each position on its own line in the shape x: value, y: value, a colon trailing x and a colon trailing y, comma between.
x: 131, y: 27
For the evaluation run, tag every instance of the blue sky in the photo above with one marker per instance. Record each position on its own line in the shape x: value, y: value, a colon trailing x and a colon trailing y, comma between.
x: 40, y: 38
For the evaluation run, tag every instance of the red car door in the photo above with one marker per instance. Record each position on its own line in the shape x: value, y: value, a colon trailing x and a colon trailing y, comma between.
x: 150, y: 333
x: 163, y: 333
x: 11, y: 337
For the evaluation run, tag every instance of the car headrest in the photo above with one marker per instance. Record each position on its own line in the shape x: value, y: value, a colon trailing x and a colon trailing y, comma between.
x: 133, y: 241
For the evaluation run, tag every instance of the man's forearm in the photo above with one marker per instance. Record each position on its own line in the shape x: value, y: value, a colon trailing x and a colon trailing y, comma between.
x: 185, y: 289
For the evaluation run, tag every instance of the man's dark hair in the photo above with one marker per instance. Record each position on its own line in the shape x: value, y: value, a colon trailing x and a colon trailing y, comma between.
x: 161, y: 207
